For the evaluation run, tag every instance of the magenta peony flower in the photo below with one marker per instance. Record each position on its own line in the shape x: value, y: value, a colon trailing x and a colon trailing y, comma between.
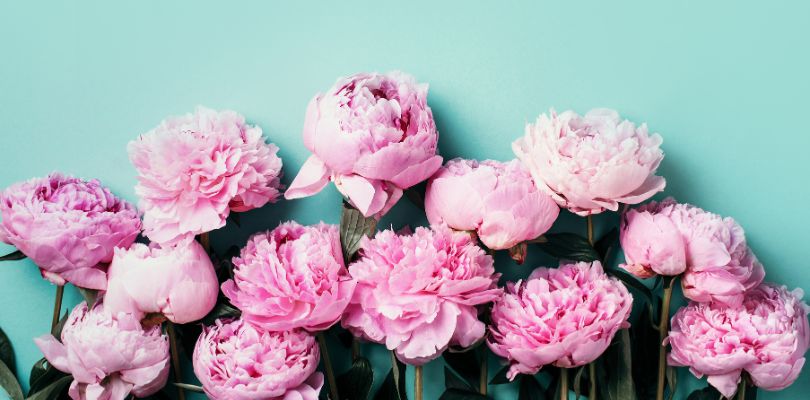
x: 373, y: 135
x: 108, y: 356
x: 417, y: 294
x: 498, y: 201
x: 178, y: 282
x: 669, y: 238
x: 235, y: 361
x: 591, y: 163
x: 67, y: 226
x: 291, y: 277
x: 766, y: 336
x: 564, y: 316
x: 194, y: 169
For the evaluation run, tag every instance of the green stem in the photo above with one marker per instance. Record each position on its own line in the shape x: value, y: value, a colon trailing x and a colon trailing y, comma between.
x: 563, y: 383
x: 178, y: 373
x: 417, y: 382
x: 663, y: 330
x: 57, y: 306
x: 327, y: 362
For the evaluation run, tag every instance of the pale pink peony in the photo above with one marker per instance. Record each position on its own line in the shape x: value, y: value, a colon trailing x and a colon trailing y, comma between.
x: 235, y: 361
x: 498, y: 201
x: 591, y: 163
x: 67, y: 226
x: 371, y: 134
x: 564, y: 316
x: 418, y: 293
x: 178, y: 282
x: 291, y: 277
x: 108, y: 356
x: 766, y: 337
x: 195, y: 169
x: 669, y: 238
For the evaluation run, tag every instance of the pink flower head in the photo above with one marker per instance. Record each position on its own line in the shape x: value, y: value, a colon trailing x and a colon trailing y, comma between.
x: 564, y: 316
x: 498, y: 201
x: 178, y: 282
x: 669, y: 238
x: 108, y: 356
x: 591, y: 163
x: 766, y: 336
x: 195, y: 169
x: 67, y: 226
x: 418, y: 293
x: 371, y: 134
x: 235, y: 361
x: 291, y: 277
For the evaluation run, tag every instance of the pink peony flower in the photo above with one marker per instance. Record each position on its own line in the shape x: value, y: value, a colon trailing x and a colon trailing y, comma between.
x: 178, y: 282
x: 498, y: 201
x: 564, y: 316
x: 418, y: 293
x: 195, y: 169
x: 371, y: 134
x: 766, y: 336
x: 67, y: 226
x: 669, y: 238
x: 591, y: 163
x: 291, y: 277
x: 235, y: 361
x: 108, y: 356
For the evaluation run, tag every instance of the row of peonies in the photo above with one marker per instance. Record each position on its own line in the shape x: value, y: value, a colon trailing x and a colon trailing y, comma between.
x: 418, y: 293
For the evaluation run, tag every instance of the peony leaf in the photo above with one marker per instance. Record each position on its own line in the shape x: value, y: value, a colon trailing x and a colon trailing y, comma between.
x: 42, y: 375
x: 530, y: 389
x: 617, y: 362
x: 90, y: 296
x: 53, y: 391
x: 631, y: 282
x: 223, y: 309
x: 393, y: 388
x: 459, y: 394
x: 189, y: 387
x: 453, y: 381
x: 672, y: 381
x: 500, y: 377
x: 7, y: 352
x: 9, y: 383
x: 356, y: 383
x: 568, y: 246
x: 707, y: 393
x: 17, y: 255
x: 644, y: 336
x: 578, y: 381
x: 605, y: 245
x: 57, y: 330
x: 353, y: 227
x: 416, y: 194
x: 466, y: 365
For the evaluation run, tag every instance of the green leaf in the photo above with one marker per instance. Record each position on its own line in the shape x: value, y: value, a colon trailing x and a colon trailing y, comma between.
x: 355, y: 384
x: 90, y: 296
x: 645, y: 345
x: 189, y: 387
x: 42, y: 375
x: 7, y: 352
x: 606, y: 244
x: 530, y: 389
x: 223, y: 309
x: 631, y: 282
x: 453, y: 381
x: 393, y: 387
x: 568, y: 246
x: 578, y: 380
x: 416, y: 194
x: 353, y: 227
x: 57, y: 330
x: 751, y: 393
x: 617, y: 362
x: 53, y: 391
x: 459, y: 394
x: 466, y: 364
x: 9, y: 383
x: 500, y: 377
x: 17, y: 255
x: 707, y: 393
x: 672, y: 381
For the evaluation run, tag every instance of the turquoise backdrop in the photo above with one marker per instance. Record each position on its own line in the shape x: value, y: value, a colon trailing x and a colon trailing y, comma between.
x: 724, y: 82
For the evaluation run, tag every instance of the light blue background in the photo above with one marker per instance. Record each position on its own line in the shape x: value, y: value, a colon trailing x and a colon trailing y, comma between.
x: 725, y: 83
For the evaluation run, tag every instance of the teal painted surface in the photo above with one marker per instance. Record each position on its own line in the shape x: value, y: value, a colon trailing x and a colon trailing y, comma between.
x: 724, y: 82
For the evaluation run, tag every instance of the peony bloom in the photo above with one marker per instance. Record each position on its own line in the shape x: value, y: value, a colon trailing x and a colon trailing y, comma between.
x: 417, y: 294
x: 564, y: 316
x: 67, y: 226
x: 195, y: 169
x: 669, y: 238
x: 235, y: 361
x: 291, y: 277
x: 498, y: 201
x: 591, y: 163
x: 766, y: 337
x: 371, y: 134
x: 108, y: 356
x: 178, y: 282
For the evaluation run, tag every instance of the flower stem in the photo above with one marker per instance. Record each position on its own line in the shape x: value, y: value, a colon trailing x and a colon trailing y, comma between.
x: 589, y: 219
x: 57, y: 306
x: 663, y: 330
x: 563, y: 383
x: 741, y: 389
x: 355, y: 348
x: 592, y: 365
x: 482, y: 385
x: 417, y: 382
x: 327, y: 363
x: 178, y: 373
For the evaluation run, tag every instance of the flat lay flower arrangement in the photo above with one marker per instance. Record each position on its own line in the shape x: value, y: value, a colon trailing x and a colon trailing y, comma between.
x: 254, y: 320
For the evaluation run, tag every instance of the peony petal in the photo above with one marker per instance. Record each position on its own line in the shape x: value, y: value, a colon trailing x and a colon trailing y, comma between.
x: 310, y: 180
